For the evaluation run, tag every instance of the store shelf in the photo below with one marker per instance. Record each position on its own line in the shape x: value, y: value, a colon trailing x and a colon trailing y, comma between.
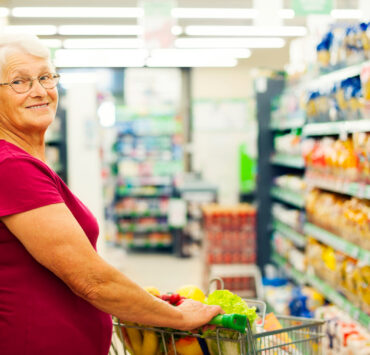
x: 294, y: 198
x: 143, y: 194
x: 297, y: 276
x: 337, y: 243
x: 339, y: 300
x: 291, y: 161
x: 327, y: 291
x: 297, y: 238
x: 290, y: 123
x: 146, y: 245
x: 136, y: 229
x: 360, y: 190
x: 336, y: 76
x: 330, y: 128
x: 133, y: 214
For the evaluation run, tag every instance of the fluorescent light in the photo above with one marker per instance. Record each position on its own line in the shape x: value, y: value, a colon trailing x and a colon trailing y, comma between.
x: 191, y: 62
x: 286, y: 13
x: 100, y: 30
x: 201, y: 52
x: 176, y: 30
x: 214, y: 13
x: 37, y: 29
x: 346, y: 14
x: 226, y: 13
x: 293, y: 31
x: 100, y: 58
x: 103, y: 43
x: 52, y: 43
x: 4, y: 11
x: 229, y: 42
x: 97, y: 12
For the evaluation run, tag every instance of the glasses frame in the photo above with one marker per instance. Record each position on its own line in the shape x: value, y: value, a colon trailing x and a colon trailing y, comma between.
x: 31, y: 80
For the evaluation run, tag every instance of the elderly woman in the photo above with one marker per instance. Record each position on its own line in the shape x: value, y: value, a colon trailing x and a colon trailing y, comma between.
x: 56, y: 293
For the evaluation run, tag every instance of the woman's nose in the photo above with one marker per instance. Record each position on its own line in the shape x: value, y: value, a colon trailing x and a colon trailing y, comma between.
x: 37, y: 89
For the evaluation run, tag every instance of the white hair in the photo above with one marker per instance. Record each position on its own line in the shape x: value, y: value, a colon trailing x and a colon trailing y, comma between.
x: 11, y: 43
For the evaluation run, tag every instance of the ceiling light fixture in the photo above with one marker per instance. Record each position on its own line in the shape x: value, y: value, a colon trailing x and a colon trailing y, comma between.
x: 34, y: 29
x: 52, y: 43
x: 346, y: 14
x: 214, y: 13
x: 103, y: 43
x: 100, y: 30
x: 230, y: 42
x: 176, y: 30
x: 191, y: 62
x: 225, y: 13
x: 201, y: 52
x: 4, y: 11
x: 285, y: 31
x: 99, y: 58
x: 82, y: 12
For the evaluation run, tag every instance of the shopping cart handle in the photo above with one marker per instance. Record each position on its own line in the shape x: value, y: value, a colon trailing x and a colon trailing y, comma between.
x: 232, y: 321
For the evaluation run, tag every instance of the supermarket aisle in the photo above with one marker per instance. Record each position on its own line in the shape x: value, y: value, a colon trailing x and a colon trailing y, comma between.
x: 163, y: 271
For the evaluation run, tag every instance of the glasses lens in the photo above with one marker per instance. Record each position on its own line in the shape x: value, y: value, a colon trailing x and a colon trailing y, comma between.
x: 21, y: 85
x: 49, y: 81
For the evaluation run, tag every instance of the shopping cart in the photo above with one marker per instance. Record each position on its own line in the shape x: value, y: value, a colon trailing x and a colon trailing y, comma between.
x: 297, y: 336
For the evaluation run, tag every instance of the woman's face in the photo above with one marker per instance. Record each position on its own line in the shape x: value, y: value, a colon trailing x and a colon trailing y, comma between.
x: 33, y: 111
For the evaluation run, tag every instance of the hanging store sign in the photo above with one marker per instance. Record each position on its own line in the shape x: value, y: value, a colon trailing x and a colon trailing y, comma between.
x: 157, y: 23
x: 312, y: 7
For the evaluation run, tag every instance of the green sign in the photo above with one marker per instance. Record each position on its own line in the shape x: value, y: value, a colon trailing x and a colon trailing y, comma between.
x: 312, y: 7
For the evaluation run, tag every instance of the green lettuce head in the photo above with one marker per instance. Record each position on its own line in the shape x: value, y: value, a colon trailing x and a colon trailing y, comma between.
x: 231, y: 303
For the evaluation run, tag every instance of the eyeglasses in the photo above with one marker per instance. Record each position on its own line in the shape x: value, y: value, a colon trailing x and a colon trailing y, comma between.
x: 23, y: 85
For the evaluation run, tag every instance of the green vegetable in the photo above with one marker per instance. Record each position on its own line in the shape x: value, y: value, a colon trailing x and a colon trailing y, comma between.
x: 231, y: 303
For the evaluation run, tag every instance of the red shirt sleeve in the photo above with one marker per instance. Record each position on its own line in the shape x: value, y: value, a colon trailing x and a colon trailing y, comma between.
x: 26, y: 184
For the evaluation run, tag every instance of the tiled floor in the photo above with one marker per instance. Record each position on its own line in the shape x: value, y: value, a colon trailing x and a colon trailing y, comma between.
x: 164, y: 271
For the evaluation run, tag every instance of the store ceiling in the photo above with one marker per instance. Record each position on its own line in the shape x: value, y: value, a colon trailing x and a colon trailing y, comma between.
x: 182, y: 22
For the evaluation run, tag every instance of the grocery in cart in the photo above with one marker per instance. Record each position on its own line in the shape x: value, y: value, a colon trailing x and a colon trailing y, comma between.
x: 244, y: 329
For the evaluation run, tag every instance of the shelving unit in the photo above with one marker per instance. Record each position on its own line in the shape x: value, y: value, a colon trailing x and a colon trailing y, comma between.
x: 327, y: 291
x: 333, y: 184
x: 331, y: 128
x: 287, y: 160
x: 296, y: 237
x: 337, y: 243
x: 336, y: 184
x: 56, y: 141
x: 288, y: 123
x: 149, y: 157
x: 288, y: 196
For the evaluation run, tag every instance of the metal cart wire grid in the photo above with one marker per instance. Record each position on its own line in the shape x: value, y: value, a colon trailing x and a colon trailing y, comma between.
x: 298, y: 336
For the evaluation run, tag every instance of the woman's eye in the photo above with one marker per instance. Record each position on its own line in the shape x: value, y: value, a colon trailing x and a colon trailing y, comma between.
x: 45, y: 77
x: 18, y: 82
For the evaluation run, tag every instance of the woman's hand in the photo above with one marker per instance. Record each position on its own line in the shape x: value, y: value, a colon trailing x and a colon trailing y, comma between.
x: 196, y: 314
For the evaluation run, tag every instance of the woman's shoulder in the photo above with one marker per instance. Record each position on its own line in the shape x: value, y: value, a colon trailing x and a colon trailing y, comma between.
x: 11, y: 151
x: 14, y: 158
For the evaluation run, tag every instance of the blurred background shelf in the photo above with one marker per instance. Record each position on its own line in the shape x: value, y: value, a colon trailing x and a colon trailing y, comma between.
x: 337, y: 243
x: 287, y: 160
x: 333, y: 128
x: 335, y: 184
x: 323, y: 288
x: 296, y: 237
x: 292, y: 197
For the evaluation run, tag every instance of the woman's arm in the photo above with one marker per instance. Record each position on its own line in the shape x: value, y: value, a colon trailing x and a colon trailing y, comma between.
x: 54, y: 238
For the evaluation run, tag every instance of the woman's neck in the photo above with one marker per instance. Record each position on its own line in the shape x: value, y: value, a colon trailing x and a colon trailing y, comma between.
x: 33, y: 145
